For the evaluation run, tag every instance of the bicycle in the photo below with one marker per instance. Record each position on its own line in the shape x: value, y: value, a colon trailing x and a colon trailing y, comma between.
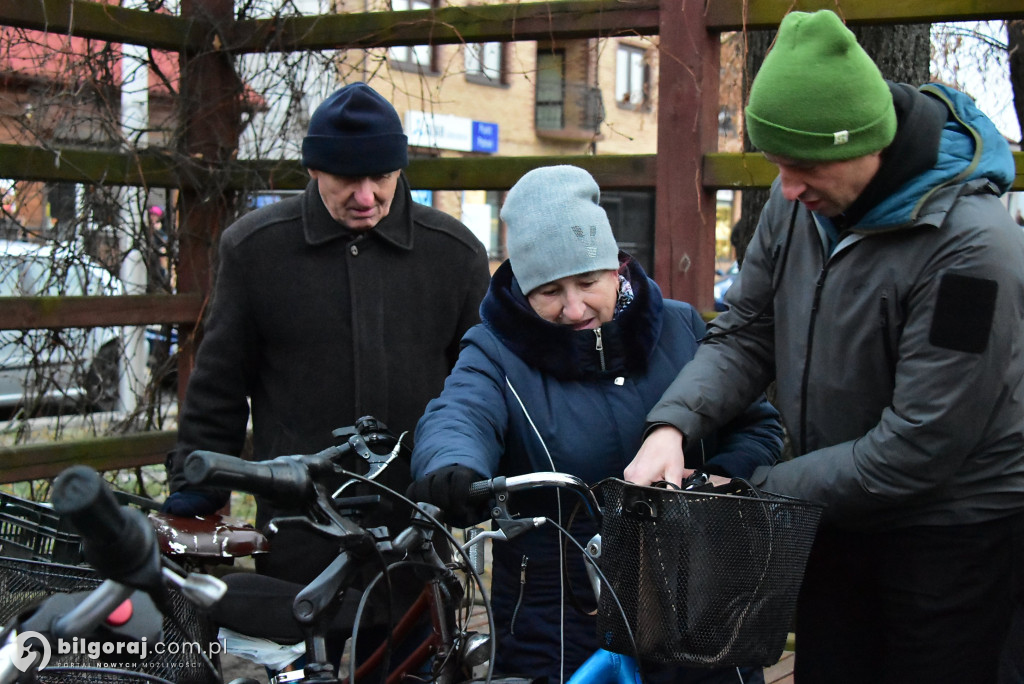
x: 120, y: 612
x: 453, y: 645
x: 452, y: 650
x: 301, y: 481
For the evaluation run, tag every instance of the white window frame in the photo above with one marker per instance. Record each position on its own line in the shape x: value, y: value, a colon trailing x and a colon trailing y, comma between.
x: 484, y: 61
x: 631, y: 74
x: 416, y: 55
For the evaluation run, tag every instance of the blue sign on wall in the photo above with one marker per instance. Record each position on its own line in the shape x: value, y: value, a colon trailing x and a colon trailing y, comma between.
x: 449, y: 132
x: 423, y: 197
x: 485, y: 137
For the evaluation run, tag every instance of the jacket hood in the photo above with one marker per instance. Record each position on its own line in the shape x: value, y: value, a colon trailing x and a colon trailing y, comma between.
x: 971, y: 149
x: 568, y: 354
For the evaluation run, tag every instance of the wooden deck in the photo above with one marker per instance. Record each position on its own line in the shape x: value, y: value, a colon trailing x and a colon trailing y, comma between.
x: 782, y: 671
x: 779, y: 673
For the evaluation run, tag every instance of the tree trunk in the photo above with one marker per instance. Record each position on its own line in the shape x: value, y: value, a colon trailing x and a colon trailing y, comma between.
x: 1015, y: 44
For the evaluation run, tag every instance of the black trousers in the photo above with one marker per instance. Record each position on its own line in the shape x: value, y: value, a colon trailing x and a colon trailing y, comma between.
x: 921, y: 604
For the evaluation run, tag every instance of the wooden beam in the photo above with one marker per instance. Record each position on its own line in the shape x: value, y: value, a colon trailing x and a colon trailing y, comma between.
x: 612, y: 172
x: 156, y: 169
x: 46, y: 460
x: 736, y: 171
x: 27, y: 313
x: 751, y: 170
x: 107, y: 22
x: 737, y: 15
x: 688, y: 79
x: 478, y: 23
x: 211, y: 112
x: 73, y: 165
x: 561, y: 20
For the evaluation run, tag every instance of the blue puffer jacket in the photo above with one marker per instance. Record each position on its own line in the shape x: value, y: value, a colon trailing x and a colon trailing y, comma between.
x: 529, y: 395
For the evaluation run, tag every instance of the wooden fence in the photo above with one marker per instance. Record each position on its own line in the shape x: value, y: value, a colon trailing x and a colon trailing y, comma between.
x: 685, y: 174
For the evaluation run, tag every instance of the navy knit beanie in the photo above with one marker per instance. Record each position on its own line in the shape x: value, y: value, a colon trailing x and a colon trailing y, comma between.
x: 355, y: 132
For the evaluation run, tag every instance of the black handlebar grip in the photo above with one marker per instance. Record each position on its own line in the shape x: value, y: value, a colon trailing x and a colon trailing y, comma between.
x: 118, y: 542
x: 281, y: 478
x: 483, y: 489
x: 82, y: 497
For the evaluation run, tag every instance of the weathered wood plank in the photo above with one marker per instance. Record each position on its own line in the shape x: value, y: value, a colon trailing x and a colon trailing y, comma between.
x: 38, y: 461
x: 735, y: 15
x: 25, y: 313
x: 561, y: 20
x: 106, y: 22
x: 501, y: 173
x: 684, y: 231
x: 478, y: 23
x: 721, y: 170
x: 752, y: 170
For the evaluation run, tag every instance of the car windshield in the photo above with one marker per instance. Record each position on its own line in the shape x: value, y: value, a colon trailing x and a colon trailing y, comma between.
x: 25, y: 273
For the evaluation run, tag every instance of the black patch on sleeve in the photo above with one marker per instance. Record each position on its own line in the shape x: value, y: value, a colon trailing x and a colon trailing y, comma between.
x: 964, y: 309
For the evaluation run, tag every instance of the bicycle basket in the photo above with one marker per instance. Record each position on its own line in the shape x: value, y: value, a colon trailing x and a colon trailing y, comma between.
x: 704, y: 579
x: 33, y: 530
x: 177, y: 658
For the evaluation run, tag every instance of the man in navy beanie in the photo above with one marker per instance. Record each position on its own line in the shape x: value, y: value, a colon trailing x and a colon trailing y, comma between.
x: 345, y: 301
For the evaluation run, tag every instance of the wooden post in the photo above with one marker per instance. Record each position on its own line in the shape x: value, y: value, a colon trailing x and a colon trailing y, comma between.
x: 211, y: 97
x: 684, y: 234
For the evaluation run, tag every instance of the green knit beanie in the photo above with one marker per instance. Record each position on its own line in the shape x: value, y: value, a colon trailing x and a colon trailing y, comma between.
x: 818, y: 96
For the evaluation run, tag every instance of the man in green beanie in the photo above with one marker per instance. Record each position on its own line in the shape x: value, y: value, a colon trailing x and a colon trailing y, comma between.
x: 883, y: 293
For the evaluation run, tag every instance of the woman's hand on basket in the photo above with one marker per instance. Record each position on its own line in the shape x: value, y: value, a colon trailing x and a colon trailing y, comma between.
x: 660, y: 458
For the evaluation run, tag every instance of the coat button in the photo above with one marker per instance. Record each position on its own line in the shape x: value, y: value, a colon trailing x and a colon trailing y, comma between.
x: 354, y: 250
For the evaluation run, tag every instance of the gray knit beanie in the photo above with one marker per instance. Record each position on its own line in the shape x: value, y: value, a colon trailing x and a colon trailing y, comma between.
x: 556, y: 228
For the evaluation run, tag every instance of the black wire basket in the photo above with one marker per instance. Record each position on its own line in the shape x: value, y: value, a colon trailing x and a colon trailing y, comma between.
x: 187, y: 634
x: 34, y: 531
x: 704, y: 579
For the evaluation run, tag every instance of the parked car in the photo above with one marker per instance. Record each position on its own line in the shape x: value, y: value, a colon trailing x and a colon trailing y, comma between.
x: 722, y: 285
x: 162, y: 342
x: 76, y: 366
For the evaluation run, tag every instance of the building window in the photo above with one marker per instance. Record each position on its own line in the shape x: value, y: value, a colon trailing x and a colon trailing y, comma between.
x: 485, y: 63
x: 550, y: 114
x: 480, y: 215
x: 415, y: 57
x: 632, y: 76
x: 726, y: 122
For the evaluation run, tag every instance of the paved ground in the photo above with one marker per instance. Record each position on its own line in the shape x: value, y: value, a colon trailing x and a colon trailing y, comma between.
x: 234, y: 668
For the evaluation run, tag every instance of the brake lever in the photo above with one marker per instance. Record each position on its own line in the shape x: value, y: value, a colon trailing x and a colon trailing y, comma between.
x: 376, y: 462
x: 698, y: 482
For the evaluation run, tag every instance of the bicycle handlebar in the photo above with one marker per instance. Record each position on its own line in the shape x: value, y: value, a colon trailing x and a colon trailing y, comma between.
x: 119, y: 542
x: 81, y: 496
x: 284, y: 477
x: 497, y: 486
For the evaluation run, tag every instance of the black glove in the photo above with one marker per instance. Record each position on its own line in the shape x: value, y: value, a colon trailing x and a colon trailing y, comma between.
x: 195, y: 502
x: 448, y: 489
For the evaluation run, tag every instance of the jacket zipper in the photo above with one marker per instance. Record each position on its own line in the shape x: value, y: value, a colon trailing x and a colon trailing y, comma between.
x: 519, y: 601
x: 818, y: 286
x: 890, y: 357
x: 600, y: 347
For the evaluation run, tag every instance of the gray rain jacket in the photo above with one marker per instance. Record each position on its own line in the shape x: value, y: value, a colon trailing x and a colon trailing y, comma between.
x: 898, y: 355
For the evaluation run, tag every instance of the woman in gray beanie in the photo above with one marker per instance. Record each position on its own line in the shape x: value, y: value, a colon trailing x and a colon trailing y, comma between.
x: 576, y: 345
